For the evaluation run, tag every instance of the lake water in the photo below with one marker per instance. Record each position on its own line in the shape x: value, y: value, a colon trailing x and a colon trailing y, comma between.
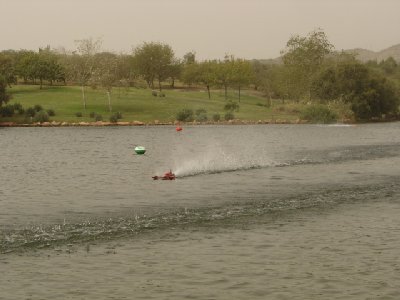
x: 256, y: 212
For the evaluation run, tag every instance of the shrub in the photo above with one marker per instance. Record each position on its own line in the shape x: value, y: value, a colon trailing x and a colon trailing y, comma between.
x: 92, y: 114
x: 201, y: 115
x: 318, y: 114
x: 41, y: 116
x: 229, y: 116
x: 114, y: 118
x: 280, y: 108
x: 216, y: 117
x: 161, y: 94
x: 30, y: 112
x: 343, y: 110
x: 18, y: 107
x: 118, y: 114
x: 291, y: 108
x: 185, y: 115
x: 98, y: 117
x: 51, y: 112
x: 37, y: 107
x: 7, y: 111
x: 154, y: 93
x: 200, y: 111
x: 78, y: 114
x: 231, y: 106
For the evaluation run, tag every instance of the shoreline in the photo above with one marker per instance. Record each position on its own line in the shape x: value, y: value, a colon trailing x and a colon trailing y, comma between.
x: 176, y: 123
x: 159, y: 123
x: 155, y: 123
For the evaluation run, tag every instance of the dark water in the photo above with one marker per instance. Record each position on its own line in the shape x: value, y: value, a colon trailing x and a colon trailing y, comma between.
x: 243, y: 190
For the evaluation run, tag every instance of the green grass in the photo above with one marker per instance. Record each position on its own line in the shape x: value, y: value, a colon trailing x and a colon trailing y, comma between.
x: 139, y: 104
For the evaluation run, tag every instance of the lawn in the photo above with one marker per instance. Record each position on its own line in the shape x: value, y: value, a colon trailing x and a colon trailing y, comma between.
x: 139, y: 103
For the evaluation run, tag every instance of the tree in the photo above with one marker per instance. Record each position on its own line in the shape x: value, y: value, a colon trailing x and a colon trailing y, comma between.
x: 271, y: 79
x: 233, y: 72
x: 208, y: 74
x: 189, y: 58
x: 175, y: 71
x: 370, y: 94
x: 25, y: 66
x: 153, y: 61
x: 126, y: 72
x: 190, y: 68
x: 56, y: 71
x: 82, y: 64
x: 204, y: 73
x: 106, y: 73
x: 242, y: 73
x: 303, y: 56
x: 47, y: 67
x: 7, y: 67
x: 388, y: 65
x: 223, y: 73
x: 4, y: 96
x: 259, y: 71
x: 191, y: 73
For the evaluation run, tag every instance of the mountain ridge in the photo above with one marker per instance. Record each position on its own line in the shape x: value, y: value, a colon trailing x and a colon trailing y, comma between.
x: 361, y: 54
x: 365, y: 55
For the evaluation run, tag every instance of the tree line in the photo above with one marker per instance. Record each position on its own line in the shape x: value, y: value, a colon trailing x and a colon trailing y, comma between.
x: 310, y: 71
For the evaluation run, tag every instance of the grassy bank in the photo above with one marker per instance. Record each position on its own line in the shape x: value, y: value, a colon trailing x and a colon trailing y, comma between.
x: 139, y: 104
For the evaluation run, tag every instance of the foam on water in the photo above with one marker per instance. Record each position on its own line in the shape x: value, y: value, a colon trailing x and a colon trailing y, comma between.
x: 217, y: 159
x: 336, y: 125
x: 38, y: 236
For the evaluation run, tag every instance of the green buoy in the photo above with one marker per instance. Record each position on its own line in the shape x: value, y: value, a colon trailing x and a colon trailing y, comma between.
x: 140, y: 150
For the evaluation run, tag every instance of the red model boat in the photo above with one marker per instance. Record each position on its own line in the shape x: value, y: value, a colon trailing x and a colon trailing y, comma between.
x: 167, y: 176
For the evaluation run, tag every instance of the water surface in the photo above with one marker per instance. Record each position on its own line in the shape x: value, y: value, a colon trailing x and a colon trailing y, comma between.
x: 309, y: 209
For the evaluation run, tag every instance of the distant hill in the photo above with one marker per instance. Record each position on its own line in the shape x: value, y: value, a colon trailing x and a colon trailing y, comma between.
x: 270, y: 61
x: 363, y: 55
x: 366, y: 55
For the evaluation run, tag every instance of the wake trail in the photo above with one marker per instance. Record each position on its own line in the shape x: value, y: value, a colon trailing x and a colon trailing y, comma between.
x: 199, y: 171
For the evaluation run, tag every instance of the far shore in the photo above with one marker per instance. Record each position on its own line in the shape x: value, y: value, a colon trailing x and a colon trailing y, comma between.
x: 155, y: 123
x: 179, y: 123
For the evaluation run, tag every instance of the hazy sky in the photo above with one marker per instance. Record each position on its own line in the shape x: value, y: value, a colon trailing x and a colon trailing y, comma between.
x: 244, y: 28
